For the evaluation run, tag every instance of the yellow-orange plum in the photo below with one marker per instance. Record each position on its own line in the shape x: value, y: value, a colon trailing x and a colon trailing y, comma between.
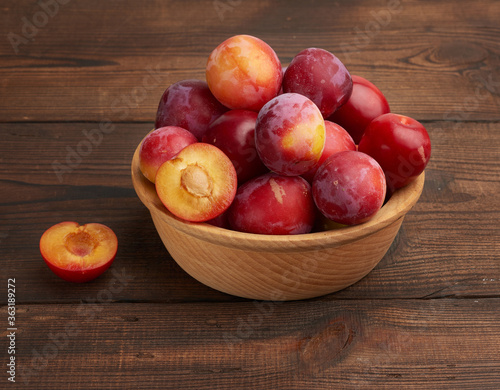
x: 78, y: 253
x: 244, y: 72
x: 198, y: 184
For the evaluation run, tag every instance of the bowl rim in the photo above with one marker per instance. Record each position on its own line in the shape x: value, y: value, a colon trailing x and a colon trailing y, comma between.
x: 395, y: 209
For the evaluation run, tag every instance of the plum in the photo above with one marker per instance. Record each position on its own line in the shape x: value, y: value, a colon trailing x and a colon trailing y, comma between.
x: 188, y: 104
x: 198, y: 184
x: 321, y: 76
x: 273, y: 204
x: 400, y: 144
x: 161, y: 145
x: 244, y: 72
x: 290, y: 134
x: 349, y: 188
x: 234, y: 133
x: 365, y: 104
x: 78, y: 253
x: 337, y: 140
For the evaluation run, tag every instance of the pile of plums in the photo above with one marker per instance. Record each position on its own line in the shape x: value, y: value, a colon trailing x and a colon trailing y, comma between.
x: 260, y: 148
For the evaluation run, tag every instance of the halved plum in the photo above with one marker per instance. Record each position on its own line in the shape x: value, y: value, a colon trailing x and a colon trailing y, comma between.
x: 78, y: 253
x: 198, y: 184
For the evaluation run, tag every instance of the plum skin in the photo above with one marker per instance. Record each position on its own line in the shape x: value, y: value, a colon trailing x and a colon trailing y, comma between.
x: 161, y: 145
x: 273, y: 204
x: 337, y: 140
x: 400, y: 144
x: 365, y: 104
x: 349, y: 188
x: 188, y: 104
x: 244, y: 72
x: 321, y: 76
x: 290, y: 134
x: 234, y: 133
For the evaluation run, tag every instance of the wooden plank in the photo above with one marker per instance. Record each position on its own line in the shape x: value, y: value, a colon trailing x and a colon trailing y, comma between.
x: 371, y: 344
x: 431, y: 63
x: 448, y: 244
x: 78, y: 94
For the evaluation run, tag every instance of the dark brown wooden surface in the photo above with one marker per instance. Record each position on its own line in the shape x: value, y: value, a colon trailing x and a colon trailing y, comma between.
x: 427, y: 317
x: 254, y: 345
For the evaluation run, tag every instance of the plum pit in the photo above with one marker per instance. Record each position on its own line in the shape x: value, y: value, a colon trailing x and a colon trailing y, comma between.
x: 196, y: 181
x: 80, y: 243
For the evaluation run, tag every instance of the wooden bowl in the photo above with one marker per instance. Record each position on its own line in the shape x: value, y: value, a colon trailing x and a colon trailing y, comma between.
x: 277, y: 268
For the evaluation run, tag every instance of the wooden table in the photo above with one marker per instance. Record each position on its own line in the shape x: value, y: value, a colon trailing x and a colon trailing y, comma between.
x: 427, y: 317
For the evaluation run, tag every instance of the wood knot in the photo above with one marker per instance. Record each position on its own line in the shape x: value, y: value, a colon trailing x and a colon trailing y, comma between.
x: 325, y: 348
x: 459, y: 53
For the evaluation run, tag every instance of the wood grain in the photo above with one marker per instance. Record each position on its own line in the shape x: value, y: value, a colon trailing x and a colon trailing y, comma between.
x: 431, y: 63
x: 426, y: 317
x: 448, y: 244
x: 431, y: 344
